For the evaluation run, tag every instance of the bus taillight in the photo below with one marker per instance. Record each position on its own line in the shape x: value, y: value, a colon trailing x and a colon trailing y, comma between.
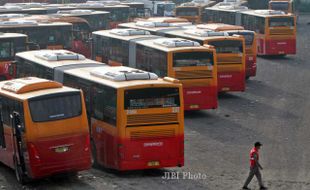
x: 120, y: 151
x: 87, y: 143
x: 34, y: 152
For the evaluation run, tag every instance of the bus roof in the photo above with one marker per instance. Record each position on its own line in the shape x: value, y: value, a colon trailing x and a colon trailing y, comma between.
x: 29, y: 87
x: 55, y: 58
x: 196, y: 4
x: 268, y: 13
x: 112, y: 34
x: 80, y: 12
x: 152, y: 29
x: 86, y: 73
x: 241, y: 31
x: 288, y: 1
x: 167, y: 19
x: 19, y: 23
x: 228, y: 8
x: 53, y: 18
x: 171, y: 44
x: 219, y: 27
x: 199, y: 34
x: 98, y: 5
x: 11, y: 35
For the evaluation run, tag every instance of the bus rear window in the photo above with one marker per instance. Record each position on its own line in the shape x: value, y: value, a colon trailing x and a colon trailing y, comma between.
x: 281, y: 22
x: 152, y: 98
x: 187, y: 12
x: 6, y: 51
x: 248, y: 37
x: 55, y: 107
x: 281, y: 6
x: 227, y: 46
x: 189, y: 59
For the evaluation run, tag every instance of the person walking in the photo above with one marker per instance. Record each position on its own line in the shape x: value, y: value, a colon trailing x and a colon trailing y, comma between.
x: 255, y: 167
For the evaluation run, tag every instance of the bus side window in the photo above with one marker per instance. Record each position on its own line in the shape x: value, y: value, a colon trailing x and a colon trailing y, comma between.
x: 159, y: 63
x: 23, y: 68
x: 104, y: 104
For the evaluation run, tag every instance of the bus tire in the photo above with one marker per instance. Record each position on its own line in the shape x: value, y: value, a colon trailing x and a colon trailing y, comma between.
x: 94, y: 160
x: 2, y: 78
x: 21, y: 178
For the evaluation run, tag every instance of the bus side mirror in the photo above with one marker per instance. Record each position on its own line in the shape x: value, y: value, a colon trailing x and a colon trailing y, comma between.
x: 32, y: 46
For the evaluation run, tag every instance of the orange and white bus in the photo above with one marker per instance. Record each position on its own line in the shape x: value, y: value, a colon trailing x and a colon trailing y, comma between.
x: 81, y: 30
x: 194, y: 65
x: 136, y: 119
x: 276, y: 30
x: 193, y: 11
x: 48, y: 35
x: 38, y: 137
x: 230, y: 52
x: 10, y: 43
x: 250, y: 43
x: 287, y: 6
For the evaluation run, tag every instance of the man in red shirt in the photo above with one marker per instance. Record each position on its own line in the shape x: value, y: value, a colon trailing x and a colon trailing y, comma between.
x: 255, y: 167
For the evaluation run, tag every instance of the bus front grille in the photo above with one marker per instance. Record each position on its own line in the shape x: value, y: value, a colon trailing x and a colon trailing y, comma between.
x: 229, y: 60
x: 151, y: 134
x: 149, y: 119
x: 281, y: 31
x: 193, y: 74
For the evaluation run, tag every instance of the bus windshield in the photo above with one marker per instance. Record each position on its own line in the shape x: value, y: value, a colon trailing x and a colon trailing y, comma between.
x: 152, y: 98
x: 6, y: 50
x: 248, y: 37
x: 281, y: 22
x: 227, y: 46
x: 281, y: 6
x: 96, y: 21
x: 169, y: 7
x: 119, y: 14
x: 187, y: 11
x: 189, y: 59
x: 55, y: 107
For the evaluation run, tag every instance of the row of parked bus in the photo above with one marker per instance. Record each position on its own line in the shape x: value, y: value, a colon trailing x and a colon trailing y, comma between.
x: 275, y: 28
x: 118, y: 12
x: 135, y: 118
x: 195, y: 10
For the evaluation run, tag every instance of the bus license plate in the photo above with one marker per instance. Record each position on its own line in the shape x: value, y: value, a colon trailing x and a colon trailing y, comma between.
x: 194, y: 106
x: 225, y: 89
x: 61, y: 149
x: 153, y: 163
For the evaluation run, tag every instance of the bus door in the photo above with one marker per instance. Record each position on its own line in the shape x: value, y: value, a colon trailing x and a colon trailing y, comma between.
x: 105, y: 133
x: 18, y: 156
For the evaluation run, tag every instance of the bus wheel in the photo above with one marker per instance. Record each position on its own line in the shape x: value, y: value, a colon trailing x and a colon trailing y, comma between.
x: 94, y: 161
x: 2, y: 78
x: 21, y: 178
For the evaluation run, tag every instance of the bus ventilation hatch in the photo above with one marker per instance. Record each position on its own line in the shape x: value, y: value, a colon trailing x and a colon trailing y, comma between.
x: 123, y: 74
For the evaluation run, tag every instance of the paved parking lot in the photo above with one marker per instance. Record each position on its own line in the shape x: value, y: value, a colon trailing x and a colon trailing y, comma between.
x: 275, y: 109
